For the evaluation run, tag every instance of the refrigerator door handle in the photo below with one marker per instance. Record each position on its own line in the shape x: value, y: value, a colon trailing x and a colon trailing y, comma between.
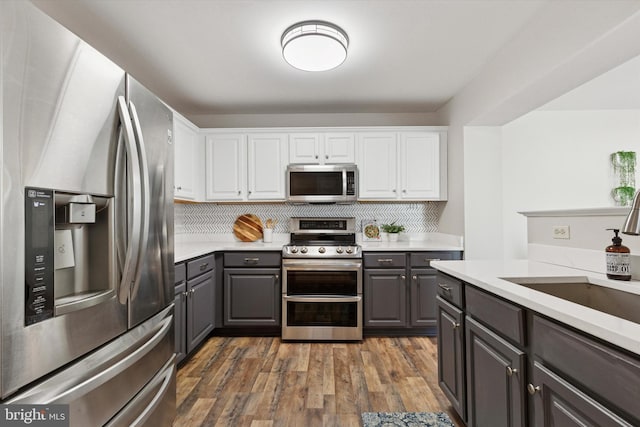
x: 145, y: 195
x: 130, y: 272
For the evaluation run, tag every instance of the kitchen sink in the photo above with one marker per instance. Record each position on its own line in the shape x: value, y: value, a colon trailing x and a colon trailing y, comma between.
x: 581, y: 291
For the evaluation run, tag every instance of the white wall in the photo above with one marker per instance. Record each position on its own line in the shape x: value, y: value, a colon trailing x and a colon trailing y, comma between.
x: 560, y: 160
x: 483, y: 182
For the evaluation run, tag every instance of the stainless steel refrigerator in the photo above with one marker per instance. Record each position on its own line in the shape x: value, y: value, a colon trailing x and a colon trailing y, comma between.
x: 86, y: 238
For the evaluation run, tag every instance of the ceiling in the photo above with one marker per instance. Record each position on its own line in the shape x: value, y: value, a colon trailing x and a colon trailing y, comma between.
x: 224, y: 56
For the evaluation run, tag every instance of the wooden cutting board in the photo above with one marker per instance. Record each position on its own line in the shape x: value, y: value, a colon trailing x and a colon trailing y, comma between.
x: 248, y: 228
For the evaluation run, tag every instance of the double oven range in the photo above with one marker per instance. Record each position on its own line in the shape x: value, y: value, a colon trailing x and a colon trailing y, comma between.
x: 322, y: 281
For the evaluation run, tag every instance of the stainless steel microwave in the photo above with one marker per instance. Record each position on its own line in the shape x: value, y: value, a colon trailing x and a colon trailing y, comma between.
x: 322, y: 183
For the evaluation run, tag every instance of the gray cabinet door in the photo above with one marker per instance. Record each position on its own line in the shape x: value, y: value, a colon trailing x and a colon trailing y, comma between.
x: 200, y: 309
x: 385, y: 298
x: 495, y: 379
x: 180, y: 321
x: 558, y: 403
x: 451, y: 358
x: 424, y: 285
x: 252, y: 297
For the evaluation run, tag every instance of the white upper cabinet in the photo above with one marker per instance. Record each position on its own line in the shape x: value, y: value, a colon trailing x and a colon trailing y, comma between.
x: 225, y: 167
x: 419, y: 165
x: 189, y: 160
x: 246, y: 167
x: 377, y: 165
x: 322, y: 148
x: 402, y: 166
x: 268, y: 157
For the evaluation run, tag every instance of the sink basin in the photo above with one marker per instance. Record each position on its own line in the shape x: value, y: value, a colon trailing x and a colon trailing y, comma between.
x: 581, y: 291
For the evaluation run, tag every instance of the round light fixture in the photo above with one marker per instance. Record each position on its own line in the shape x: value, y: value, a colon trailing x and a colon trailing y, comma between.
x: 314, y: 45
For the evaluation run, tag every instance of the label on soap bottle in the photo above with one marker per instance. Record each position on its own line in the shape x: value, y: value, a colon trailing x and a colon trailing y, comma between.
x: 618, y: 264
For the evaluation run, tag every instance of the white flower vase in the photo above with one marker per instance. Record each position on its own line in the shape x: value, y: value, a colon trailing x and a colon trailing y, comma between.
x: 393, y: 237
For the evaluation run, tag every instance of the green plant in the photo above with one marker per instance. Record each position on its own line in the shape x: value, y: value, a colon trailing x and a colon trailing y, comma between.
x: 392, y: 228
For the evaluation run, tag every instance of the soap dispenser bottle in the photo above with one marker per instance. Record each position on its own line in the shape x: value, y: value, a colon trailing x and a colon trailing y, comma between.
x: 618, y: 266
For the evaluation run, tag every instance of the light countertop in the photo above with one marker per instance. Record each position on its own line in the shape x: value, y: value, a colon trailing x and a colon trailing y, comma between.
x: 192, y: 246
x: 488, y: 275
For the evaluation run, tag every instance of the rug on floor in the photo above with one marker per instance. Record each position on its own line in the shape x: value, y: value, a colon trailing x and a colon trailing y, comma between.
x: 406, y: 419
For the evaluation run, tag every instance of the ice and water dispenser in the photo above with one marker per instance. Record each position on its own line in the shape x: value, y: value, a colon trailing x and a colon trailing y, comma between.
x: 69, y: 252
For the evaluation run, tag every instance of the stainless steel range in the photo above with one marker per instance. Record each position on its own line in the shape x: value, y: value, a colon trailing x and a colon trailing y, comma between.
x: 322, y: 281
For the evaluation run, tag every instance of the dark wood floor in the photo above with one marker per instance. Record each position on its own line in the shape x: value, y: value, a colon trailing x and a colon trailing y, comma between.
x: 261, y: 381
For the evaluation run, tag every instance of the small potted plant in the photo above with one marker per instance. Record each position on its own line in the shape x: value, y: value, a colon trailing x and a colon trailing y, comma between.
x: 392, y: 230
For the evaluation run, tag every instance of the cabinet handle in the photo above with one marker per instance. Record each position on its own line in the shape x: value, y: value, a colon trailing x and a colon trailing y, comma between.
x: 431, y: 259
x: 511, y: 371
x: 251, y: 260
x: 404, y: 191
x: 326, y: 156
x: 179, y: 188
x: 204, y: 266
x: 385, y: 260
x: 277, y: 276
x: 249, y: 192
x: 403, y: 277
x: 394, y: 190
x: 239, y: 192
x: 316, y: 156
x: 455, y: 325
x: 533, y: 389
x: 445, y: 288
x: 415, y: 277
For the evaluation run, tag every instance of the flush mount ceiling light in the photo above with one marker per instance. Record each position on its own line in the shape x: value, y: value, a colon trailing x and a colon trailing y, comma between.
x: 314, y: 45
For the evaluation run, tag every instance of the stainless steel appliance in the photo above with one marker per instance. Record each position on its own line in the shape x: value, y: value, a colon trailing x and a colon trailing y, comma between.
x: 322, y: 183
x: 86, y: 242
x: 322, y: 281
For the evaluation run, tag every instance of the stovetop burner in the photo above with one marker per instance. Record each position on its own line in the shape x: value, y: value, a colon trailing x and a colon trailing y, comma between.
x: 322, y: 238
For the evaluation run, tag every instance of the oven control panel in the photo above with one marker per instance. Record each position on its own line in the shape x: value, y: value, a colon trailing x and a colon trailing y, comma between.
x: 329, y: 251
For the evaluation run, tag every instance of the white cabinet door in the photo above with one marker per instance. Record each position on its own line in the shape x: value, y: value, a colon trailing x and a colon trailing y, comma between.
x: 267, y: 164
x: 225, y: 167
x: 188, y: 160
x: 339, y: 147
x: 304, y: 148
x: 419, y: 165
x: 377, y: 164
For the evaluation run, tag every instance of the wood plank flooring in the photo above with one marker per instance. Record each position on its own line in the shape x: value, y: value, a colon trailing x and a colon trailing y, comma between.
x: 262, y: 381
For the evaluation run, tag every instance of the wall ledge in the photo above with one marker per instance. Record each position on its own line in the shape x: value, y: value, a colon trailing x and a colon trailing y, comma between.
x: 605, y: 211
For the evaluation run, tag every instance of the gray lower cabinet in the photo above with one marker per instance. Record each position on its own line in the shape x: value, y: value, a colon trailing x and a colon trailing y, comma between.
x: 495, y: 387
x: 523, y: 369
x: 451, y: 355
x: 400, y: 291
x: 252, y: 289
x: 180, y: 312
x: 194, y: 304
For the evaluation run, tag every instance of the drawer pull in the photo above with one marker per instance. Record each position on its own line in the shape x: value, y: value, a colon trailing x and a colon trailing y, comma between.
x: 511, y: 371
x: 533, y: 389
x: 403, y: 277
x: 445, y: 288
x: 455, y: 325
x: 385, y: 260
x: 251, y: 260
x: 204, y: 266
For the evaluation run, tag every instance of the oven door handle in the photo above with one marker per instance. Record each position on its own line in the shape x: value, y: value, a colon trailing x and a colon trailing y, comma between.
x: 336, y: 298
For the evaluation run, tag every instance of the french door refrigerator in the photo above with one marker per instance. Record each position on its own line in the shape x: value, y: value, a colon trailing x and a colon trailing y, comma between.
x: 86, y: 243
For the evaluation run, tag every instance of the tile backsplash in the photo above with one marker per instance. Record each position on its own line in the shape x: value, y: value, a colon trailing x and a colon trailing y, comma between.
x: 209, y: 218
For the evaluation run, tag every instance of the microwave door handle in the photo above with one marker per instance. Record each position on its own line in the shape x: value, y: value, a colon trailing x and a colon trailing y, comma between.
x: 344, y: 183
x: 133, y: 246
x: 145, y: 194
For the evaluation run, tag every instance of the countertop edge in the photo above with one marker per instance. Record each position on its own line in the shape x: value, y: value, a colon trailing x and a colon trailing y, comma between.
x: 620, y: 332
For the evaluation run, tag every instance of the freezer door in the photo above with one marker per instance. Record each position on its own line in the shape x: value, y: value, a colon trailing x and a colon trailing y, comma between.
x: 98, y: 387
x: 153, y: 123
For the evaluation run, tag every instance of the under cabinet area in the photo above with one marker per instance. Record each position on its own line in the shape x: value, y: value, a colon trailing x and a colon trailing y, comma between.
x: 252, y: 291
x: 400, y: 292
x: 194, y: 303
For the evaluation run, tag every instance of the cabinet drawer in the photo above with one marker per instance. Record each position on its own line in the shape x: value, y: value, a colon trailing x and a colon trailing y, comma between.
x: 180, y: 273
x: 503, y: 317
x: 450, y: 289
x: 199, y: 266
x: 423, y: 259
x: 252, y: 259
x: 385, y: 259
x: 597, y: 368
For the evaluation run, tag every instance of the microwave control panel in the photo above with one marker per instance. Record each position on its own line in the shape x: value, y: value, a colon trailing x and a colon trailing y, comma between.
x: 39, y: 253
